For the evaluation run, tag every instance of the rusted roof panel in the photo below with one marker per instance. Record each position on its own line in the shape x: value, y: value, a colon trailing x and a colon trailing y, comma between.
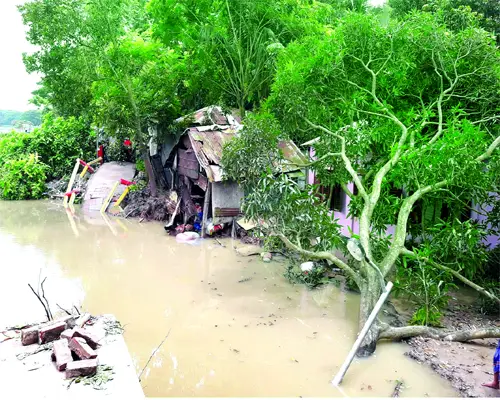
x: 210, y: 143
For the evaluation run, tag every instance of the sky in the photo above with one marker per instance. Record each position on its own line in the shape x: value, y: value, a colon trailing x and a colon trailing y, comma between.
x: 16, y: 84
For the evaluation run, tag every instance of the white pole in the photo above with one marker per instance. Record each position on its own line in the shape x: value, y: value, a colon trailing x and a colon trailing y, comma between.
x: 340, y: 375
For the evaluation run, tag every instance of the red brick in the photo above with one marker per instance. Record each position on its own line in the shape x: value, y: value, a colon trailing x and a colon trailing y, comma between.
x: 52, y: 332
x: 62, y: 354
x: 29, y: 336
x: 89, y: 337
x: 69, y: 320
x: 68, y: 334
x: 81, y: 368
x: 82, y: 349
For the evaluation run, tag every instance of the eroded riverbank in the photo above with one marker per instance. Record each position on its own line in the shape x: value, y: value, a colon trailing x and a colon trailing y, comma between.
x: 228, y: 338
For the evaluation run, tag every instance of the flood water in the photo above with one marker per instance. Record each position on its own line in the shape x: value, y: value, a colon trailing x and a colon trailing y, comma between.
x: 260, y: 337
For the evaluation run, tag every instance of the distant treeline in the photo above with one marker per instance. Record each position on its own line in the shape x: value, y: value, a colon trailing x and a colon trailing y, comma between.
x: 9, y: 117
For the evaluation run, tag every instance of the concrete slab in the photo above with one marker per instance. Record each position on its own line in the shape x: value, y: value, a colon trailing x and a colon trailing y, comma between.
x: 103, y: 180
x: 36, y: 376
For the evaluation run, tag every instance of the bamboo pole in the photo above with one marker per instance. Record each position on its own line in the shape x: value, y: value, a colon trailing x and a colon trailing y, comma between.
x: 108, y: 199
x: 340, y: 375
x: 85, y: 169
x: 71, y: 181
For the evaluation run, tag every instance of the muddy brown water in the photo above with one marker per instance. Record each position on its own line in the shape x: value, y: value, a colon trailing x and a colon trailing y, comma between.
x: 261, y: 337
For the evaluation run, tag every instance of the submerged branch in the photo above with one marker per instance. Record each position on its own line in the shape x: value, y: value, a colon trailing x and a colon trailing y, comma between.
x: 153, y: 353
x: 322, y: 255
x: 434, y: 333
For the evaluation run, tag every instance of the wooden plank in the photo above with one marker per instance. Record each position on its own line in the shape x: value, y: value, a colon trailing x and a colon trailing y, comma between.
x: 188, y: 172
x: 188, y: 164
x: 227, y: 212
x: 205, y: 210
x: 187, y: 154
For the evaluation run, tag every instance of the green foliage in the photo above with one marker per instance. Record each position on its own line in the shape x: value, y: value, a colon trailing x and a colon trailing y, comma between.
x: 60, y: 141
x: 426, y: 287
x: 139, y: 165
x: 13, y: 144
x: 312, y: 279
x: 22, y: 179
x: 255, y: 150
x: 456, y: 13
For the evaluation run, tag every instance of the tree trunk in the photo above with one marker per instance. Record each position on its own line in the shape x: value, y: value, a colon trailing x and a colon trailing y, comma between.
x: 370, y: 293
x: 405, y: 332
x: 151, y: 175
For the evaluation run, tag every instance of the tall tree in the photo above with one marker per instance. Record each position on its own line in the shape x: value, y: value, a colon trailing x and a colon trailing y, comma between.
x: 98, y: 61
x: 405, y: 105
x: 231, y: 45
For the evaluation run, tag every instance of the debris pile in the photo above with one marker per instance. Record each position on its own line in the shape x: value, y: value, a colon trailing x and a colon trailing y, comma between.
x: 140, y: 204
x: 73, y: 348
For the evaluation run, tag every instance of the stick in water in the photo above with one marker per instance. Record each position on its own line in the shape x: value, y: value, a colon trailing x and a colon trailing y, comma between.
x: 153, y: 353
x: 340, y: 375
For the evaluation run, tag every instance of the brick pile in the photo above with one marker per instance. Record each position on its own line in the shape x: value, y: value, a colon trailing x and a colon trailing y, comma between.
x: 74, y: 346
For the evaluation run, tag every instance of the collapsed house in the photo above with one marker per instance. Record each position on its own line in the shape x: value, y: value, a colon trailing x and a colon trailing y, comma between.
x: 190, y: 165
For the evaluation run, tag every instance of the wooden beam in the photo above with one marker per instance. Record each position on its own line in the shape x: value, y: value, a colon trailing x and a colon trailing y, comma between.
x: 206, y: 204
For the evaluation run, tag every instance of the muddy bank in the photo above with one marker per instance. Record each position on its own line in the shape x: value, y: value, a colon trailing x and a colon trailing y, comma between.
x: 465, y: 365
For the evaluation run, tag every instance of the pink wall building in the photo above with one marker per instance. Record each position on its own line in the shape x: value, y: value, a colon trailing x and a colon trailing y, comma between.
x: 341, y: 211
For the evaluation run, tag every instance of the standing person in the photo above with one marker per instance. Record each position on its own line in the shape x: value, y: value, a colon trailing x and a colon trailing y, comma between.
x: 127, y: 143
x: 496, y: 369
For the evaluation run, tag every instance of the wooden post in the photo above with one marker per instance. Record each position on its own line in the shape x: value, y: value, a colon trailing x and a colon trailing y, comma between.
x: 71, y: 181
x: 108, y: 199
x: 340, y: 375
x: 206, y: 204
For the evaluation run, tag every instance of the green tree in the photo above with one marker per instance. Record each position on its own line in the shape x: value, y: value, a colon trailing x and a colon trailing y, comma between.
x: 230, y: 46
x: 456, y: 12
x: 407, y: 105
x: 93, y: 55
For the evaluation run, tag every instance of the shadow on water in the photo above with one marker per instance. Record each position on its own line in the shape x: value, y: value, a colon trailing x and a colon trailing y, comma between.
x: 261, y: 337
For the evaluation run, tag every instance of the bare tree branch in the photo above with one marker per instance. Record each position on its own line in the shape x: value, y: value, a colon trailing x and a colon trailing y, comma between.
x: 347, y: 162
x: 39, y: 299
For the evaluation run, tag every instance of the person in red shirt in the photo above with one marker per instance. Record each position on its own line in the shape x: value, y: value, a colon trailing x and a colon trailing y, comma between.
x: 128, y: 149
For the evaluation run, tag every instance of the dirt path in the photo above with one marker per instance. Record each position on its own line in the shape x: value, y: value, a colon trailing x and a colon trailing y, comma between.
x: 465, y: 365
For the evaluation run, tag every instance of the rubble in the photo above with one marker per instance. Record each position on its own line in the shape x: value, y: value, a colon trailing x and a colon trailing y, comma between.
x: 82, y: 350
x: 51, y: 332
x: 140, y: 204
x: 68, y: 334
x: 88, y: 336
x: 72, y: 344
x: 81, y: 368
x: 61, y: 354
x: 29, y: 336
x: 45, y: 367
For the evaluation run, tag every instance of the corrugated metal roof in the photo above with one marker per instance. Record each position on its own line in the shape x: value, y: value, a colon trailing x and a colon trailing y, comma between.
x: 216, y: 129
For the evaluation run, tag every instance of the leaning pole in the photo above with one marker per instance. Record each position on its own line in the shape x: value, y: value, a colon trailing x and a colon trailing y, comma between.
x: 369, y: 322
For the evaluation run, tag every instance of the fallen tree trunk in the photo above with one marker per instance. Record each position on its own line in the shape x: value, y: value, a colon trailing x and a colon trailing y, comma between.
x: 405, y: 332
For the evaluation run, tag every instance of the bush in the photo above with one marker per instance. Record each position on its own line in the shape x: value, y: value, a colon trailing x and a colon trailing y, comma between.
x: 427, y: 287
x: 23, y: 179
x: 13, y: 145
x: 60, y: 141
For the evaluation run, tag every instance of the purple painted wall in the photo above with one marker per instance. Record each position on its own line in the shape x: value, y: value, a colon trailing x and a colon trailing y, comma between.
x: 347, y: 223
